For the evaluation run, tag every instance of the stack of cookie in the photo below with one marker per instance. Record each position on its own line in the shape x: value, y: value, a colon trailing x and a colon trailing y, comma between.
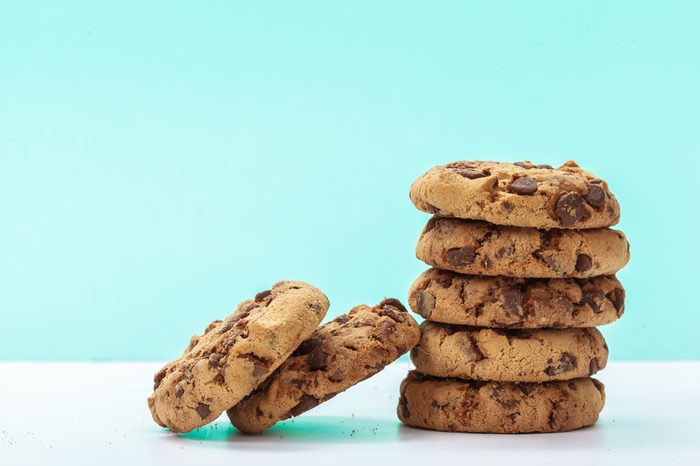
x: 524, y: 271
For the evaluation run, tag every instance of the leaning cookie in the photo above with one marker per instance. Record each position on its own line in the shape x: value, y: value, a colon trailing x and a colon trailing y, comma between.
x: 518, y: 194
x: 338, y: 355
x: 532, y: 355
x: 221, y: 367
x: 480, y: 248
x: 507, y: 302
x: 453, y: 405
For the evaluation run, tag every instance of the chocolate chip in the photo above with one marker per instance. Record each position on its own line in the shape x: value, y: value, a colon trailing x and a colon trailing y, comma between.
x: 595, y: 197
x: 403, y: 407
x: 342, y: 319
x: 179, y: 392
x: 472, y: 173
x: 513, y: 302
x: 386, y: 329
x: 593, y: 367
x: 393, y: 302
x: 471, y: 349
x: 524, y: 186
x: 262, y: 295
x: 308, y: 345
x: 583, y: 263
x: 318, y: 359
x: 158, y: 378
x: 203, y: 410
x: 617, y: 298
x: 593, y: 298
x: 305, y: 403
x: 525, y: 165
x: 459, y: 257
x: 505, y: 251
x: 548, y: 167
x: 566, y: 363
x: 507, y: 206
x: 570, y: 209
x: 215, y: 359
x: 425, y: 303
x: 393, y: 313
x: 525, y: 387
x: 219, y: 378
x: 259, y: 369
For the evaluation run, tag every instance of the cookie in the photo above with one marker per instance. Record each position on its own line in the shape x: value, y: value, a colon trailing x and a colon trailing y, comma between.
x: 480, y: 248
x: 507, y: 302
x: 221, y: 367
x: 517, y: 194
x: 499, y: 407
x: 514, y: 355
x: 341, y: 353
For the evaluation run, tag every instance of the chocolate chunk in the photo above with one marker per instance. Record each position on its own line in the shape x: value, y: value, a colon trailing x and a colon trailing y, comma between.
x: 318, y: 359
x: 471, y: 349
x: 219, y: 378
x: 570, y: 209
x: 548, y: 167
x: 505, y: 251
x: 566, y: 363
x: 158, y: 378
x: 386, y: 329
x: 593, y: 298
x: 459, y: 257
x: 262, y: 295
x: 593, y: 367
x: 215, y: 359
x: 179, y: 392
x: 260, y: 369
x: 472, y: 173
x: 308, y: 345
x: 583, y: 263
x: 617, y: 298
x: 525, y: 387
x: 306, y: 403
x: 342, y: 319
x: 524, y: 186
x: 595, y: 197
x: 507, y: 206
x: 403, y: 406
x: 513, y: 302
x: 393, y: 313
x: 393, y: 302
x: 425, y: 303
x: 203, y: 410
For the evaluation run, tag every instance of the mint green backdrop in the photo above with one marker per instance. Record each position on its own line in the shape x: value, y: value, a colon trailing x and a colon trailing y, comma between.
x: 161, y: 161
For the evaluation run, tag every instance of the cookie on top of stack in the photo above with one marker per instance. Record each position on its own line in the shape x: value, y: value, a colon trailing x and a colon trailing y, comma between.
x: 524, y: 263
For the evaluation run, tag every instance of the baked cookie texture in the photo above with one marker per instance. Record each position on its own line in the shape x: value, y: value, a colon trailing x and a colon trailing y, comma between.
x: 341, y: 353
x: 480, y: 248
x: 507, y: 302
x: 233, y: 356
x: 499, y: 407
x: 519, y: 194
x: 522, y: 355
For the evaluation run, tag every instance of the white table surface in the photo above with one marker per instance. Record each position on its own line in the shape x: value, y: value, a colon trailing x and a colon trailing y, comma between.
x: 96, y: 414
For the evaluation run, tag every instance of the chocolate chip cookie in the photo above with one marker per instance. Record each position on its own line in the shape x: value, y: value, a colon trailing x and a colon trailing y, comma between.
x: 480, y: 248
x: 506, y: 302
x: 519, y: 194
x: 499, y: 407
x: 341, y: 353
x: 513, y: 355
x: 233, y: 356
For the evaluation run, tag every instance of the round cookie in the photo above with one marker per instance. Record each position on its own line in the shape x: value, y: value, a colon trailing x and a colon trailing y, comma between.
x: 499, y: 407
x: 518, y: 194
x: 531, y: 355
x: 507, y: 302
x: 480, y: 248
x: 221, y: 367
x: 341, y: 353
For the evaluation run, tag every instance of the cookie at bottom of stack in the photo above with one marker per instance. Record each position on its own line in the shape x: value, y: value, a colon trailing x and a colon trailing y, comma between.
x: 455, y: 405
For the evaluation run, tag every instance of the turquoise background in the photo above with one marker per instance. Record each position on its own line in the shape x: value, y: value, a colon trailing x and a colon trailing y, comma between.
x: 162, y: 161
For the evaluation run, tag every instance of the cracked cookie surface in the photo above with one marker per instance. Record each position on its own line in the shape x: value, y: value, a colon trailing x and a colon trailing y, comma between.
x: 499, y: 407
x: 480, y: 248
x: 522, y: 355
x: 233, y: 356
x: 519, y: 194
x: 507, y: 302
x: 338, y: 355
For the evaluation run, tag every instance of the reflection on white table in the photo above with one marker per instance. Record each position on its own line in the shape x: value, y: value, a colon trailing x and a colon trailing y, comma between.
x: 96, y: 414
